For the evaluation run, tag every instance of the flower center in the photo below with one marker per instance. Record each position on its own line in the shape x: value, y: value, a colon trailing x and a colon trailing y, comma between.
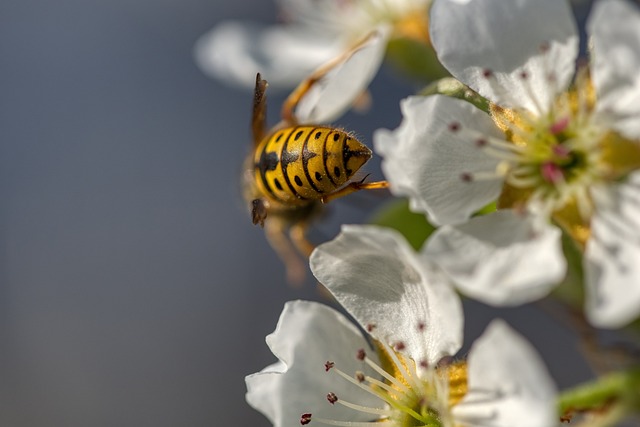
x: 549, y: 161
x: 410, y: 394
x: 555, y: 157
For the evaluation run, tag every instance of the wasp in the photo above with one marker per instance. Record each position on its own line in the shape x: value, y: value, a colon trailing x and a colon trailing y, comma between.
x: 303, y: 163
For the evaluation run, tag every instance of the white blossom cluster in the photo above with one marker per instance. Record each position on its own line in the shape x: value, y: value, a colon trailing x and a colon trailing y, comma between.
x: 556, y: 151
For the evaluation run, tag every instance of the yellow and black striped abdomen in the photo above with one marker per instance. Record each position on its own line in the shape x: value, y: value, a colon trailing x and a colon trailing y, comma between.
x: 299, y: 164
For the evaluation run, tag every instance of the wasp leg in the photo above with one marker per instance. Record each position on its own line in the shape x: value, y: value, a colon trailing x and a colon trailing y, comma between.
x: 296, y: 269
x: 299, y: 92
x: 353, y: 187
x: 294, y: 98
x: 258, y: 212
x: 259, y: 116
x: 298, y: 235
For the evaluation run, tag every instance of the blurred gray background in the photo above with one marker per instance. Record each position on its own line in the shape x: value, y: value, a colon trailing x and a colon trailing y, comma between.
x: 134, y: 290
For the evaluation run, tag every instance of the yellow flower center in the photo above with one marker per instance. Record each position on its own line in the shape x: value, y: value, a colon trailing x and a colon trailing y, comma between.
x: 411, y: 394
x: 554, y: 159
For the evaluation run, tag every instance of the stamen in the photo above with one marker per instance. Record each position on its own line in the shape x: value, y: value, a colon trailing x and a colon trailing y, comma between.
x: 582, y: 88
x: 332, y: 398
x: 484, y: 141
x: 386, y: 375
x: 526, y: 182
x: 561, y: 150
x: 482, y: 176
x: 409, y: 378
x: 360, y: 384
x: 551, y: 172
x: 583, y: 201
x: 376, y: 382
x: 360, y: 408
x: 466, y: 177
x: 306, y: 419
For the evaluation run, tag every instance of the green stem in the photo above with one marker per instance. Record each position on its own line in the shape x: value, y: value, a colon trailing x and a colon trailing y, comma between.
x: 618, y: 392
x: 451, y: 87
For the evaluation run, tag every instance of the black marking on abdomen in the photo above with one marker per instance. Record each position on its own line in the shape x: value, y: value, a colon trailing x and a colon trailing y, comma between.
x: 346, y: 155
x: 268, y: 162
x: 286, y: 159
x: 278, y: 185
x: 324, y: 159
x: 306, y: 156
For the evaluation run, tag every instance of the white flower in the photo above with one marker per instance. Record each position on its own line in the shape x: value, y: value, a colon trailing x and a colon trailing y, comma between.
x: 315, y: 32
x: 328, y: 374
x: 550, y: 150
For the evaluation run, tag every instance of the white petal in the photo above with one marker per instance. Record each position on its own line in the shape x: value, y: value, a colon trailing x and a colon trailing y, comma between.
x: 425, y: 161
x: 503, y: 258
x: 614, y: 26
x: 308, y: 335
x: 612, y: 256
x: 509, y: 384
x: 507, y: 38
x: 379, y: 280
x: 236, y: 51
x: 347, y: 78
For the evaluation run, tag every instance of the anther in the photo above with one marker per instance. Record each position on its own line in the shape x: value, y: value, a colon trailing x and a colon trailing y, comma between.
x: 360, y: 376
x: 423, y: 364
x: 332, y: 398
x: 445, y: 361
x: 561, y: 151
x: 487, y: 73
x: 361, y: 354
x: 305, y: 419
x: 524, y: 75
x: 551, y: 172
x: 545, y: 46
x: 559, y: 126
x: 466, y: 177
x: 399, y: 346
x: 421, y: 326
x: 454, y: 126
x: 371, y: 327
x: 328, y: 365
x: 481, y: 142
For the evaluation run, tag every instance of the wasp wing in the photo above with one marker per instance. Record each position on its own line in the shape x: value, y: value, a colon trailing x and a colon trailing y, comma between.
x: 259, y: 115
x: 336, y: 85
